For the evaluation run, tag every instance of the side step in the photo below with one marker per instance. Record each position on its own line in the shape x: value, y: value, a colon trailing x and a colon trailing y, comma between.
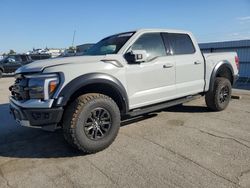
x: 161, y: 106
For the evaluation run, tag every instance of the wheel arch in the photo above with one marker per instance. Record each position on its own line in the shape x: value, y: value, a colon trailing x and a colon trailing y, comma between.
x: 222, y: 69
x: 96, y: 83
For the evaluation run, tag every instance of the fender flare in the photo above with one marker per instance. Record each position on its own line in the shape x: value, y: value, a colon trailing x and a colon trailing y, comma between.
x: 94, y: 78
x: 215, y: 71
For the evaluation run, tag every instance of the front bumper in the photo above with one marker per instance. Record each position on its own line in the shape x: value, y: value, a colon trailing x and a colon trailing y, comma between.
x: 46, y: 118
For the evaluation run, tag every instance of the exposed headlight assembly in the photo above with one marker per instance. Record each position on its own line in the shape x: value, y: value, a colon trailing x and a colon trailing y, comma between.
x: 42, y: 86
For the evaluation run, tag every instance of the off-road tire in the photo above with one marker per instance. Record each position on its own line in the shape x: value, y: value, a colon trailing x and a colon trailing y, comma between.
x: 76, y: 115
x: 213, y: 97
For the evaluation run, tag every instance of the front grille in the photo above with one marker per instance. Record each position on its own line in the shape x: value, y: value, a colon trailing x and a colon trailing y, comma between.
x: 19, y: 90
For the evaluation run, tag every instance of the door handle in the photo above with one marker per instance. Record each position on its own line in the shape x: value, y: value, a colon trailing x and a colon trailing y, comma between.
x: 168, y: 65
x: 197, y: 62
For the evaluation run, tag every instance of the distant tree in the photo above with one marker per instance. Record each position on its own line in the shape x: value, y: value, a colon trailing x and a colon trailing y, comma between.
x: 11, y: 52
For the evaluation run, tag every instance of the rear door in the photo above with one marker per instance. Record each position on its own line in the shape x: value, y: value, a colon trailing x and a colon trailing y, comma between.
x: 189, y: 64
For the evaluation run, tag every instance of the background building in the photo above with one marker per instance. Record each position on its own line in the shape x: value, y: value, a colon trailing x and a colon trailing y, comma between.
x: 242, y: 47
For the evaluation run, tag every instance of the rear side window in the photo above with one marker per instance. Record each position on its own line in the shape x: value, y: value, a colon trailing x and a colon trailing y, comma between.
x: 180, y: 43
x: 152, y: 43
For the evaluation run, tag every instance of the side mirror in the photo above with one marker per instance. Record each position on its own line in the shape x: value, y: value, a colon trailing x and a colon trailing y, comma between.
x: 136, y: 56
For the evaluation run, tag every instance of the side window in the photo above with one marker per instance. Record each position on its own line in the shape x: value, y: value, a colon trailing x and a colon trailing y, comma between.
x: 23, y: 58
x: 152, y: 43
x: 17, y: 58
x: 11, y: 59
x: 181, y: 43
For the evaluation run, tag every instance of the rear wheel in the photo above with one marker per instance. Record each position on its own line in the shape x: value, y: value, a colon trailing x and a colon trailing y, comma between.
x: 1, y: 73
x: 91, y: 122
x: 219, y: 98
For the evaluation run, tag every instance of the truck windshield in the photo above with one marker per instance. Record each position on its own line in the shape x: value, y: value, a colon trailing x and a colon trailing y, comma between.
x: 109, y: 45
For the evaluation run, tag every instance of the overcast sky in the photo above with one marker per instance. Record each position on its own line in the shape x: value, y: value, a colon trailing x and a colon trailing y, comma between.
x: 31, y: 23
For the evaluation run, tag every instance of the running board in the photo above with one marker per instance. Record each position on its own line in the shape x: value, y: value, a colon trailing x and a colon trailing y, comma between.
x: 161, y: 106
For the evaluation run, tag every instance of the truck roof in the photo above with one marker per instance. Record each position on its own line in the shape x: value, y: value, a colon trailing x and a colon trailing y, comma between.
x: 145, y: 30
x: 161, y: 30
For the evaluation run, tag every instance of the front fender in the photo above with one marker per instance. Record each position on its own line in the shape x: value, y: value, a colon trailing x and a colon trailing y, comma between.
x: 93, y: 78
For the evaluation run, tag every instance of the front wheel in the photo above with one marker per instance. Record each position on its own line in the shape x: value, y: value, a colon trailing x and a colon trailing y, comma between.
x: 91, y: 122
x: 219, y: 98
x: 1, y: 73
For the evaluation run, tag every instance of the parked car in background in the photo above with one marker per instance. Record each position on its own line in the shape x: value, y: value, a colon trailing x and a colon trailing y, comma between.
x: 78, y: 51
x: 11, y: 63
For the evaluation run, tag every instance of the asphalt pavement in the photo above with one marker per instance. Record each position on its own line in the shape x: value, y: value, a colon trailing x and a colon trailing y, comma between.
x: 184, y: 146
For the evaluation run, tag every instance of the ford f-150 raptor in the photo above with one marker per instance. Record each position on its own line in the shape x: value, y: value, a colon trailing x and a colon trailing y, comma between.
x: 124, y: 75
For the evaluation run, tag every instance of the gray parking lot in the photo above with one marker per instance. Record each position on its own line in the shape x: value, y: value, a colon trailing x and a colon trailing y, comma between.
x: 184, y: 146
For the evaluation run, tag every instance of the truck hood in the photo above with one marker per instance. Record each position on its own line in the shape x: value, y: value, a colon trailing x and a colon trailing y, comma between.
x: 38, y: 66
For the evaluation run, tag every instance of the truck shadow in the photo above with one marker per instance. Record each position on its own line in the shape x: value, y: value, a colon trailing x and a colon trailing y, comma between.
x: 188, y: 109
x: 21, y: 142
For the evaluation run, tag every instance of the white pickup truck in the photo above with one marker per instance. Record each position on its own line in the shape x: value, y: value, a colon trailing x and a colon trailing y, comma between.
x: 124, y: 75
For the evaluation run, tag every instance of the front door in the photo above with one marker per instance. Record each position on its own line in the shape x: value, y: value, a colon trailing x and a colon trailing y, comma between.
x: 152, y: 81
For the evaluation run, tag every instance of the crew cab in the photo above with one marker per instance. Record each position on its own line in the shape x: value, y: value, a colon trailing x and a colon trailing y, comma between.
x: 124, y: 75
x: 11, y: 63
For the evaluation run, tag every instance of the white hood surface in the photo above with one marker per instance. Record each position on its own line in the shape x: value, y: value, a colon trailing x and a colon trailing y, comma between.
x: 38, y: 66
